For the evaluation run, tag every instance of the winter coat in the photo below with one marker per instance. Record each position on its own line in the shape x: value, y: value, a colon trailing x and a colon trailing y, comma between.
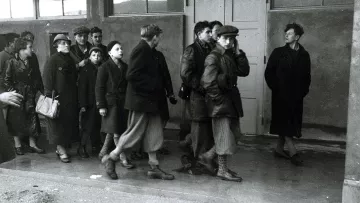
x: 110, y: 92
x: 167, y: 84
x: 192, y: 68
x: 60, y: 76
x: 77, y: 54
x: 145, y: 84
x: 25, y: 78
x: 288, y: 75
x: 5, y: 55
x: 222, y: 68
x: 7, y: 151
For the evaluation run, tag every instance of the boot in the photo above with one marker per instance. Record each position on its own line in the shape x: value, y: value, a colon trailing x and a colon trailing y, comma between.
x: 156, y: 173
x: 81, y: 151
x: 109, y: 167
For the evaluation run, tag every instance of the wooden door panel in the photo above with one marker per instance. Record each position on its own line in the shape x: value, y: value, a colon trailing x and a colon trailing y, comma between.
x: 209, y: 10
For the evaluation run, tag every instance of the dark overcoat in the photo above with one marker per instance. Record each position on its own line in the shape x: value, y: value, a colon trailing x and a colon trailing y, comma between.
x: 26, y: 80
x: 145, y: 84
x: 60, y: 75
x: 288, y: 75
x: 167, y: 84
x: 222, y: 68
x: 110, y: 92
x: 192, y: 68
x: 91, y: 120
x: 77, y: 54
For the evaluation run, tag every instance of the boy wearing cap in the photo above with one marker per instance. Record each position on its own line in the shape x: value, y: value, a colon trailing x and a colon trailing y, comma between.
x: 96, y: 37
x: 80, y: 50
x: 91, y: 120
x: 223, y: 65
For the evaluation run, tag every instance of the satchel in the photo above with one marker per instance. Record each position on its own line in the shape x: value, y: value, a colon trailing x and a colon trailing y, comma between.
x: 48, y: 107
x: 184, y: 92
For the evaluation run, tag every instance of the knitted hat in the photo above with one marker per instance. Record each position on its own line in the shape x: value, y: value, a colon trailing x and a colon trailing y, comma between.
x: 96, y: 48
x: 111, y: 44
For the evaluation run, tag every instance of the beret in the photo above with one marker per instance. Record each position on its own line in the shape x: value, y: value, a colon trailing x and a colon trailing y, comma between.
x: 95, y: 48
x: 81, y: 29
x: 228, y: 30
x: 61, y: 37
x: 111, y: 44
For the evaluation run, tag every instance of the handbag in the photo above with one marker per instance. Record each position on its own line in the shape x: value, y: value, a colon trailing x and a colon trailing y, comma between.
x: 184, y: 92
x: 48, y: 107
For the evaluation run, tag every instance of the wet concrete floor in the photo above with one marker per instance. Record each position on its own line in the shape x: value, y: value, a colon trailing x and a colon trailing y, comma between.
x: 266, y: 178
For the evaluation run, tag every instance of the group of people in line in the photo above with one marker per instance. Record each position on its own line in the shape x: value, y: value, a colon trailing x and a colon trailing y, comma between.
x: 124, y: 107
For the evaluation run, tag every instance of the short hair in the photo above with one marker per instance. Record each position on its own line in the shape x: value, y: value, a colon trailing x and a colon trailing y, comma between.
x: 200, y: 26
x: 95, y: 30
x: 215, y: 22
x: 149, y: 31
x: 25, y: 33
x: 21, y: 43
x: 10, y: 37
x: 298, y: 29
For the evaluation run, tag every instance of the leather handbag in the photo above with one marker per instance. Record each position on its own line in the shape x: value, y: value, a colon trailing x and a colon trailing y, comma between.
x: 48, y: 107
x: 184, y: 92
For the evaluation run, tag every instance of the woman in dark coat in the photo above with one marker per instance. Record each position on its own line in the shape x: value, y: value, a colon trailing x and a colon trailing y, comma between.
x: 110, y: 92
x: 60, y: 77
x: 90, y: 119
x: 288, y: 76
x: 22, y: 77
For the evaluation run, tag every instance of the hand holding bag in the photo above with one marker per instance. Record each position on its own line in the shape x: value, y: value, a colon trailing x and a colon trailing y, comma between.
x: 48, y: 107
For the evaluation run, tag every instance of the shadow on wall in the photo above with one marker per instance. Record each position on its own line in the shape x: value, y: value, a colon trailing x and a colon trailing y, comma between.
x: 328, y: 34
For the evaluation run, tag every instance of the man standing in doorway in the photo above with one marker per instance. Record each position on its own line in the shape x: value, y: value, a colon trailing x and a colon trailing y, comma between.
x: 192, y: 68
x: 288, y: 75
x: 223, y: 66
x: 144, y: 90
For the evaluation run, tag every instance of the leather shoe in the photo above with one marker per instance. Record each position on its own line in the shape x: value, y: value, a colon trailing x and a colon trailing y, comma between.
x: 109, y: 167
x: 283, y: 155
x: 208, y: 163
x: 63, y: 157
x: 19, y: 151
x: 81, y: 151
x: 296, y: 160
x: 36, y: 150
x: 157, y: 173
x: 127, y: 164
x: 228, y: 176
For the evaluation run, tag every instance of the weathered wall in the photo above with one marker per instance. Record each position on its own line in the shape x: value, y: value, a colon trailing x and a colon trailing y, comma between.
x: 327, y: 38
x: 124, y: 29
x: 351, y: 186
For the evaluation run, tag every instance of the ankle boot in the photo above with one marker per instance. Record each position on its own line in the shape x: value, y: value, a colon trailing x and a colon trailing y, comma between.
x: 82, y: 152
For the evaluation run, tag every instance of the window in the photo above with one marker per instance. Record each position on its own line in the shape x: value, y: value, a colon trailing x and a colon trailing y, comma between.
x: 147, y: 6
x: 17, y: 9
x: 61, y: 7
x: 283, y: 4
x: 41, y: 8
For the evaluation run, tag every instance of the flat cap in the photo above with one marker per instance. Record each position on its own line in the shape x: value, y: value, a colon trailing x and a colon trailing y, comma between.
x: 61, y: 37
x: 80, y: 30
x: 228, y: 30
x: 95, y: 48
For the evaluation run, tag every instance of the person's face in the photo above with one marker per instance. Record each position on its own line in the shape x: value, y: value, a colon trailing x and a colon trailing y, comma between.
x: 226, y: 41
x: 214, y: 31
x: 29, y: 50
x: 116, y: 51
x: 63, y: 46
x: 29, y: 37
x: 95, y: 57
x: 81, y: 38
x: 156, y: 40
x: 290, y: 36
x: 12, y: 45
x: 96, y: 38
x: 205, y: 35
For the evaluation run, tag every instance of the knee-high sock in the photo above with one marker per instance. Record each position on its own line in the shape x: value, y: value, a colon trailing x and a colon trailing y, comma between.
x: 222, y: 163
x: 107, y: 142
